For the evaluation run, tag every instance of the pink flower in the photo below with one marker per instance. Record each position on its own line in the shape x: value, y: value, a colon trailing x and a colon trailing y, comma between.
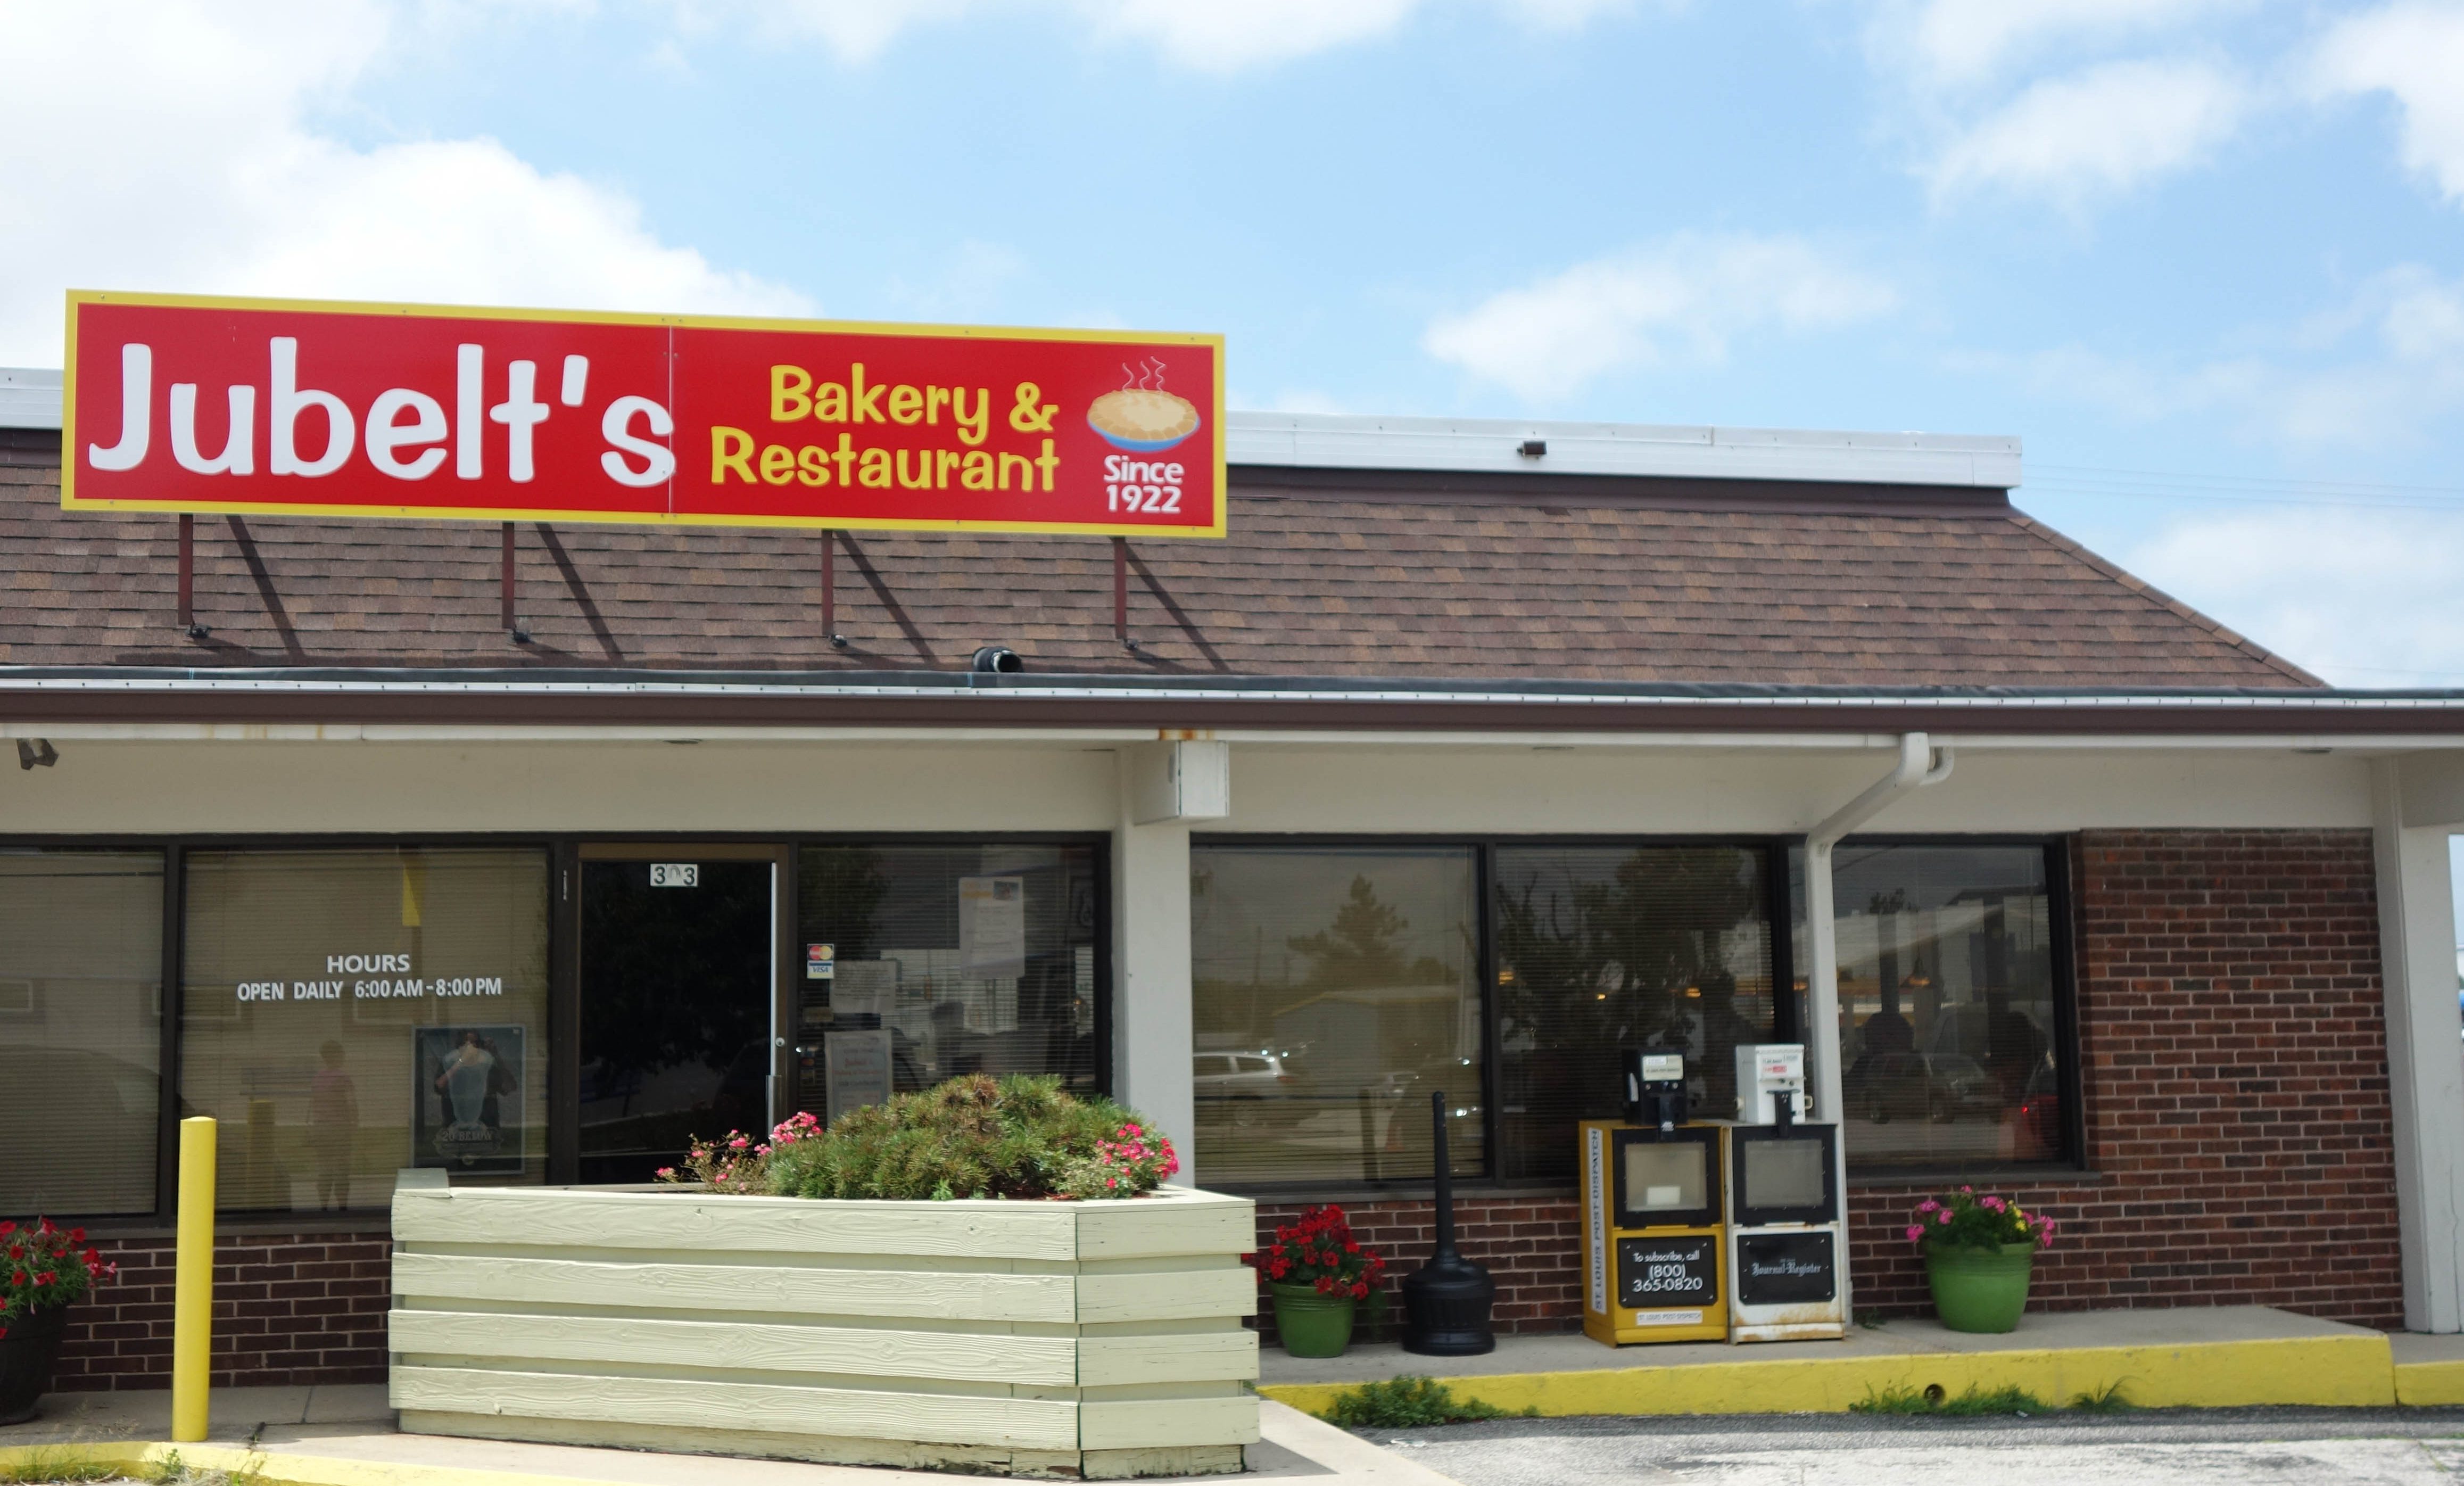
x: 1915, y: 1232
x: 738, y: 1144
x: 1941, y: 1217
x: 1995, y: 1203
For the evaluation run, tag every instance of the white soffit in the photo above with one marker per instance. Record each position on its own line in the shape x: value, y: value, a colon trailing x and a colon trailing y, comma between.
x: 1494, y: 446
x: 30, y: 398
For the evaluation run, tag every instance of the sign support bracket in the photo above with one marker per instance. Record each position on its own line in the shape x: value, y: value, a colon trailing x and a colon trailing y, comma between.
x: 1121, y: 592
x: 188, y: 625
x: 513, y: 625
x: 831, y: 591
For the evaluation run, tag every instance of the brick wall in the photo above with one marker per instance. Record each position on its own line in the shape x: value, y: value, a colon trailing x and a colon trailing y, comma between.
x: 289, y: 1309
x: 2234, y: 1046
x: 2235, y: 1053
x: 1528, y: 1244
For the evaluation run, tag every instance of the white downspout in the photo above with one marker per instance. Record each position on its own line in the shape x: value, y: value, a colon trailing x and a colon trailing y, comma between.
x: 1919, y: 765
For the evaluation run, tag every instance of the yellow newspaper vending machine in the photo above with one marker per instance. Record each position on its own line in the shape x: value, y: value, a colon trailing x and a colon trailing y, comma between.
x: 1654, y: 1249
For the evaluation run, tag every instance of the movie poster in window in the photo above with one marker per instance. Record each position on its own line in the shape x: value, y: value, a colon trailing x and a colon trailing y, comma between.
x: 466, y: 1099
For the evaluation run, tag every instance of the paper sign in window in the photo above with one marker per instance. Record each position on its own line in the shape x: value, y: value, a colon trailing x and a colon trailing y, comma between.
x: 992, y: 927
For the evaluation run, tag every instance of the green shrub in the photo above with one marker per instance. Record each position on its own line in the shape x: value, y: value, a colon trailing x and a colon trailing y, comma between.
x: 1410, y: 1402
x: 977, y: 1136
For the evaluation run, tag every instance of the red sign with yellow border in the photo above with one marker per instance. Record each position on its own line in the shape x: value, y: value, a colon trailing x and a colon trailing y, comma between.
x: 277, y: 408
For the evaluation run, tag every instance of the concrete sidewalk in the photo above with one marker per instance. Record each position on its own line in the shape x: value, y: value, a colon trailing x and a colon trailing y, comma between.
x: 2213, y: 1357
x: 344, y: 1436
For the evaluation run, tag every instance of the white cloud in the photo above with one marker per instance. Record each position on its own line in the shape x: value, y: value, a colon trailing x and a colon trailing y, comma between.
x: 1680, y: 299
x: 2385, y: 366
x: 1201, y: 36
x: 858, y: 31
x: 1227, y: 35
x: 1965, y: 41
x: 168, y: 147
x: 2414, y: 52
x: 2363, y: 602
x: 2097, y: 132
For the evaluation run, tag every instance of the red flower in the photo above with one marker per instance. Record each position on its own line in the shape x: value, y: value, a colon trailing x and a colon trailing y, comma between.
x: 77, y: 1235
x: 1359, y: 1292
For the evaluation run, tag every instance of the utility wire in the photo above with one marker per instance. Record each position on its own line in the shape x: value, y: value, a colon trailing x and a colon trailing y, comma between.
x: 2080, y: 479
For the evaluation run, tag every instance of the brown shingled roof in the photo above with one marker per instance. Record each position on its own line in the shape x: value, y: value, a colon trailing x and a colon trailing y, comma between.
x: 1359, y: 580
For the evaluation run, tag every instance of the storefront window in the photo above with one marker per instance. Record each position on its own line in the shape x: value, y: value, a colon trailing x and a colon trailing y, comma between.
x: 1336, y: 989
x: 1606, y: 948
x: 924, y: 962
x: 1947, y: 1004
x: 80, y: 1030
x: 348, y: 1013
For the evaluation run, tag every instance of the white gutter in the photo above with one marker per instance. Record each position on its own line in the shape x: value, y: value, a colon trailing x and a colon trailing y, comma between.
x: 2353, y: 745
x: 1920, y: 765
x: 1986, y: 704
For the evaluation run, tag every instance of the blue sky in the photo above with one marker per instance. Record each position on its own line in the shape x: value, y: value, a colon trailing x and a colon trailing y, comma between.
x: 2203, y: 255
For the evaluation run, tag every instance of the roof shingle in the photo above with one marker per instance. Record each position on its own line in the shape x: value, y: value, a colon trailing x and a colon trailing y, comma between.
x: 1369, y: 582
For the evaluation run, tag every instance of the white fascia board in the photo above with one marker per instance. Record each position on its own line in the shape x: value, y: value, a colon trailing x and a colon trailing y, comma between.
x: 1493, y: 445
x: 30, y: 398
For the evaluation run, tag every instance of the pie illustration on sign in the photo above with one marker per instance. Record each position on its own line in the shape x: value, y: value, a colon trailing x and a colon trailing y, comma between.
x: 1142, y: 420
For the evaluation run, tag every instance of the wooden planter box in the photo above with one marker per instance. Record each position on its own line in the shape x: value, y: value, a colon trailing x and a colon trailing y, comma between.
x: 1098, y: 1339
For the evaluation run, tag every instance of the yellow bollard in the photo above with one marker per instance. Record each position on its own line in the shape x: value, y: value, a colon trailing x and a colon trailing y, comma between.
x: 192, y: 1295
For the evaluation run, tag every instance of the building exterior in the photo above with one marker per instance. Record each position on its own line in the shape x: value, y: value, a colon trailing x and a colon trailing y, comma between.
x: 1473, y: 753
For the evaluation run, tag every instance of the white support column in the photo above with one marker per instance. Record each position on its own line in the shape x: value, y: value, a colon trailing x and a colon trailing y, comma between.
x: 1919, y: 765
x: 2415, y: 804
x: 1152, y: 1027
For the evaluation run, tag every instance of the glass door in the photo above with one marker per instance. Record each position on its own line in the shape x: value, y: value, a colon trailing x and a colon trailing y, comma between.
x: 679, y: 976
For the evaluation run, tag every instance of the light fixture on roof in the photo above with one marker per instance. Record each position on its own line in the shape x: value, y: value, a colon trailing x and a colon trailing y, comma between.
x: 1533, y: 448
x: 36, y: 753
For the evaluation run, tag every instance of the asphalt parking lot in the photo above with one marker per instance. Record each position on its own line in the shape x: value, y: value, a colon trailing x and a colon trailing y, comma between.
x: 2186, y: 1447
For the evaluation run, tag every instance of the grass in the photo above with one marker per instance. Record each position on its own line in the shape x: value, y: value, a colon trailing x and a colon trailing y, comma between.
x: 1978, y: 1402
x: 1932, y: 1400
x: 49, y: 1466
x: 60, y: 1466
x: 1410, y: 1402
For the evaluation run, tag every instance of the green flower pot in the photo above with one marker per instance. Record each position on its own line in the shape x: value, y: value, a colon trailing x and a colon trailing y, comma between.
x: 1980, y: 1289
x: 1312, y: 1324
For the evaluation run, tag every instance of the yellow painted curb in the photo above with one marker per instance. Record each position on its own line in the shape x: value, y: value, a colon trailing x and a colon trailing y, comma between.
x: 2429, y: 1382
x: 270, y: 1467
x: 2346, y: 1371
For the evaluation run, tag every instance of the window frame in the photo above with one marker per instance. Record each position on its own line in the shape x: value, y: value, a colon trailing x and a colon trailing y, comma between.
x: 564, y: 852
x: 1484, y: 847
x: 2062, y: 934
